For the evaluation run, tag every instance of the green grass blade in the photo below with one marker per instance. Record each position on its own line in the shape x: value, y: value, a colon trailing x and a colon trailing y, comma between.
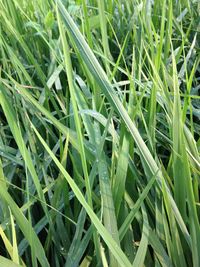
x: 24, y: 226
x: 116, y: 251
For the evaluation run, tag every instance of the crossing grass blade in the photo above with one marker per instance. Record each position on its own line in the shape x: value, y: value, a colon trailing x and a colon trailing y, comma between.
x: 108, y: 209
x: 101, y: 79
x: 12, y: 120
x: 99, y: 133
x: 116, y: 251
x: 24, y: 227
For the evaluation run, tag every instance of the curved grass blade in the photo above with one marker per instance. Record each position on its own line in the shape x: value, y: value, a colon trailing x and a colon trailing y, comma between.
x: 103, y: 82
x: 116, y: 251
x: 23, y: 223
x: 12, y: 121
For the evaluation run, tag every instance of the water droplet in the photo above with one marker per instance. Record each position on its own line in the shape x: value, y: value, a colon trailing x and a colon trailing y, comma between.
x: 62, y: 248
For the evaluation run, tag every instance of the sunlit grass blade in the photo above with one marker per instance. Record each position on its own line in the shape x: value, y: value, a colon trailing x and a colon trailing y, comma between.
x: 24, y: 226
x: 101, y: 78
x: 7, y: 263
x: 99, y: 133
x: 15, y: 255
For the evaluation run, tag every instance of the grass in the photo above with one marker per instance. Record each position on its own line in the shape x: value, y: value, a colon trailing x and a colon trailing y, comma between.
x: 99, y: 137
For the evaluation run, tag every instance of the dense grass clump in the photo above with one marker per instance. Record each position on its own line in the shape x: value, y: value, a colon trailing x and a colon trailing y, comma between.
x: 100, y: 133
